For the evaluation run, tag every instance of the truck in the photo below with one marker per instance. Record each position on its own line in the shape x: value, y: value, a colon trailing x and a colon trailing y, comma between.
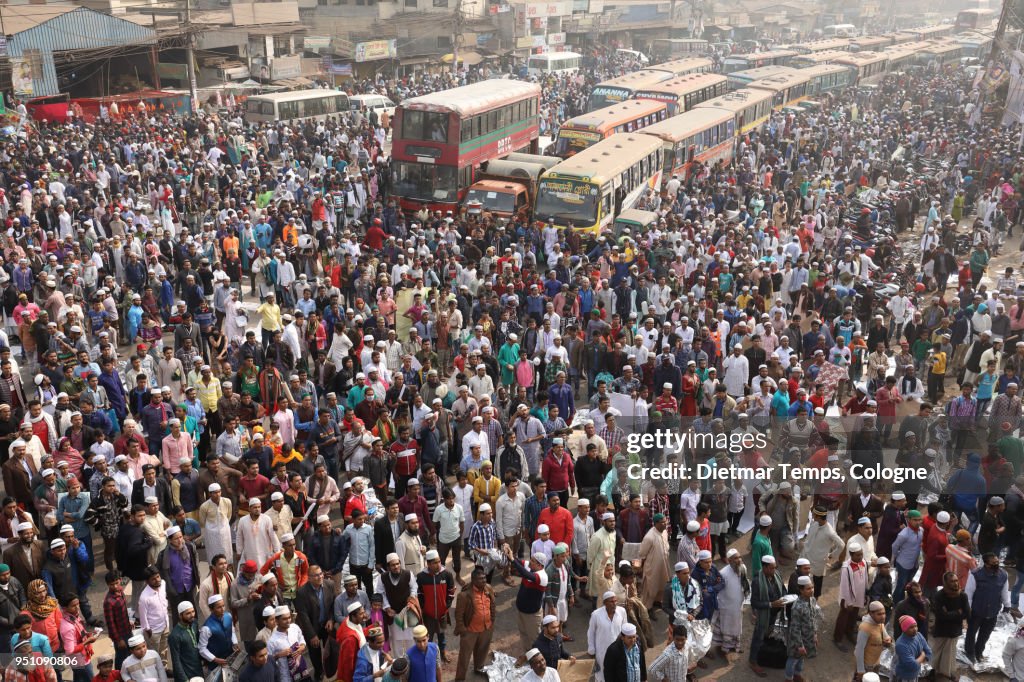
x: 508, y: 185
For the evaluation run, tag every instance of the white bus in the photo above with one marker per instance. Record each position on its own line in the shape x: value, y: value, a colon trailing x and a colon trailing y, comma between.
x: 554, y: 62
x: 839, y: 31
x: 295, y: 105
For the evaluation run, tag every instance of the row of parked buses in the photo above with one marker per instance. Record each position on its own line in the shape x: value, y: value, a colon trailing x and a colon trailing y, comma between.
x: 641, y: 128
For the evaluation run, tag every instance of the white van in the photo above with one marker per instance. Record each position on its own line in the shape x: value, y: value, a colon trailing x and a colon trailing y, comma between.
x: 635, y: 54
x: 553, y: 63
x: 368, y: 103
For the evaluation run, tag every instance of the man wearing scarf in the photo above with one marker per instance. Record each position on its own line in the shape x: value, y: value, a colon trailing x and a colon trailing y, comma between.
x: 350, y: 640
x: 682, y: 593
x: 399, y: 590
x: 852, y: 595
x: 178, y: 564
x: 624, y: 660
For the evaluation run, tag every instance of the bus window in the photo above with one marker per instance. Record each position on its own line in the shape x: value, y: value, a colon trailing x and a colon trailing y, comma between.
x: 424, y: 125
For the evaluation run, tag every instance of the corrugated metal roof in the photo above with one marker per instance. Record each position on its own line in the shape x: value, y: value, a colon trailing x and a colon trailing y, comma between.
x: 79, y: 28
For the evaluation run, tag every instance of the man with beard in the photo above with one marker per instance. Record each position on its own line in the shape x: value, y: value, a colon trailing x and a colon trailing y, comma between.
x: 183, y: 644
x: 12, y: 601
x: 178, y: 564
x: 398, y: 587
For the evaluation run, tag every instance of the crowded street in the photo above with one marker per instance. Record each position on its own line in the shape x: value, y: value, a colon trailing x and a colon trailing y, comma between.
x: 611, y: 369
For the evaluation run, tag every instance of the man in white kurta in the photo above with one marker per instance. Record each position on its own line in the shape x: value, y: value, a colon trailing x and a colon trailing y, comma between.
x: 284, y: 638
x: 654, y: 562
x: 602, y: 548
x: 214, y: 517
x: 727, y: 621
x: 605, y: 627
x: 256, y: 539
x: 736, y: 372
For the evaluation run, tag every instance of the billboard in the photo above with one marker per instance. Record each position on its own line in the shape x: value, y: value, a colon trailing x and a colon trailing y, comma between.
x: 376, y: 49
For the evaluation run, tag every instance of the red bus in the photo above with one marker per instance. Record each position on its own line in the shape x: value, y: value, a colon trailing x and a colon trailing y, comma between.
x: 441, y: 139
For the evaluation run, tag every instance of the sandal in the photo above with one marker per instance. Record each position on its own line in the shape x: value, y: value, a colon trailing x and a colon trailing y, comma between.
x: 758, y: 670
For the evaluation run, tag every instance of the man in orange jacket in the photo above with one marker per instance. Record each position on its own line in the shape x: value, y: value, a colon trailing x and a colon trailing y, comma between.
x: 290, y: 567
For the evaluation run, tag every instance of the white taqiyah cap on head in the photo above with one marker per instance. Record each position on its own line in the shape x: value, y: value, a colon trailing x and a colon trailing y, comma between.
x: 628, y: 629
x: 213, y: 488
x: 172, y: 531
x: 703, y: 554
x: 277, y: 496
x: 607, y: 595
x: 185, y: 606
x: 543, y: 528
x: 410, y: 517
x: 540, y: 558
x: 67, y: 528
x: 803, y: 561
x: 135, y: 640
x: 681, y: 566
x: 731, y: 553
x: 25, y: 525
x: 285, y: 611
x: 353, y: 607
x: 323, y: 518
x: 549, y: 619
x: 484, y: 507
x: 607, y: 516
x: 804, y: 580
x: 768, y: 559
x: 765, y: 520
x: 214, y: 598
x: 268, y: 611
x: 882, y: 561
x: 942, y: 517
x: 855, y: 547
x: 898, y: 496
x: 433, y: 555
x: 57, y: 544
x: 870, y: 677
x: 692, y: 526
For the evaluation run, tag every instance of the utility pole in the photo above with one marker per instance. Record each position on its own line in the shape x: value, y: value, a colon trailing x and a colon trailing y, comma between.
x: 456, y: 35
x: 190, y: 57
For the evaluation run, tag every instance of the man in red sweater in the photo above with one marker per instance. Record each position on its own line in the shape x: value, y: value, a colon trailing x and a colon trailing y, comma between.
x: 375, y: 236
x: 935, y: 542
x: 557, y: 472
x: 557, y: 518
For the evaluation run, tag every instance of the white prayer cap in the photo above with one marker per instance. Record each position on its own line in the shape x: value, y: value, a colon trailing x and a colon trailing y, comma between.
x: 540, y: 558
x: 412, y: 481
x: 410, y: 517
x: 804, y: 580
x: 67, y: 528
x: 268, y: 611
x: 543, y: 528
x: 855, y: 547
x: 269, y: 577
x: 532, y: 653
x: 869, y: 677
x: 629, y: 629
x: 703, y: 554
x: 135, y: 640
x: 484, y: 508
x: 765, y: 521
x: 25, y: 525
x: 287, y: 537
x: 172, y: 531
x: 322, y: 518
x: 185, y: 460
x: 607, y: 595
x: 184, y: 606
x: 583, y: 502
x: 693, y: 526
x: 392, y: 557
x: 277, y: 496
x: 213, y: 488
x: 353, y: 607
x: 285, y: 611
x: 896, y: 496
x: 255, y: 502
x: 57, y: 544
x: 607, y: 516
x: 213, y: 599
x: 803, y: 561
x: 47, y: 472
x: 152, y: 500
x: 768, y: 559
x: 731, y: 553
x: 548, y: 620
x: 432, y: 555
x: 942, y: 517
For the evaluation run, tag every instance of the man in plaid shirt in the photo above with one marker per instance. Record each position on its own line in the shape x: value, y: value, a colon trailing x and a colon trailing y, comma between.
x: 483, y: 537
x: 611, y: 435
x: 115, y: 613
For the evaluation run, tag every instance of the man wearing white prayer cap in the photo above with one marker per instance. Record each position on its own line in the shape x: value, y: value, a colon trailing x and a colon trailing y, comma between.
x: 601, y: 549
x: 143, y: 664
x: 625, y: 659
x: 767, y: 591
x: 214, y: 517
x: 183, y: 640
x: 605, y: 629
x: 727, y: 624
x: 256, y: 539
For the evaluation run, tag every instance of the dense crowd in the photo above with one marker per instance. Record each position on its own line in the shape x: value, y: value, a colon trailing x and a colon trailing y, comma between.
x: 316, y: 438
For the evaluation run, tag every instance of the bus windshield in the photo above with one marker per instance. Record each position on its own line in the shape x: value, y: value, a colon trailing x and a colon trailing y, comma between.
x: 567, y: 200
x: 603, y: 96
x: 571, y: 142
x: 425, y: 181
x: 503, y: 202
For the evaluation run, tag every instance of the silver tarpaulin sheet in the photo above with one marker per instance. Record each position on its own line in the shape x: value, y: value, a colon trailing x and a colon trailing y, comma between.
x: 503, y: 668
x: 993, y: 660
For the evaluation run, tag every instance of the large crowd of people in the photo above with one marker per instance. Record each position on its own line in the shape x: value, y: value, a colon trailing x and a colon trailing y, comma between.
x: 315, y: 440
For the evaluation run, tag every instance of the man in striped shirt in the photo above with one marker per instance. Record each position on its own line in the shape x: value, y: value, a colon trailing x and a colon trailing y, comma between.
x: 611, y: 434
x: 483, y: 537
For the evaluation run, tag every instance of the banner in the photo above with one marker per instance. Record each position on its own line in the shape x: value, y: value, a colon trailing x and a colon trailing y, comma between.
x: 376, y: 49
x: 21, y: 77
x: 315, y: 43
